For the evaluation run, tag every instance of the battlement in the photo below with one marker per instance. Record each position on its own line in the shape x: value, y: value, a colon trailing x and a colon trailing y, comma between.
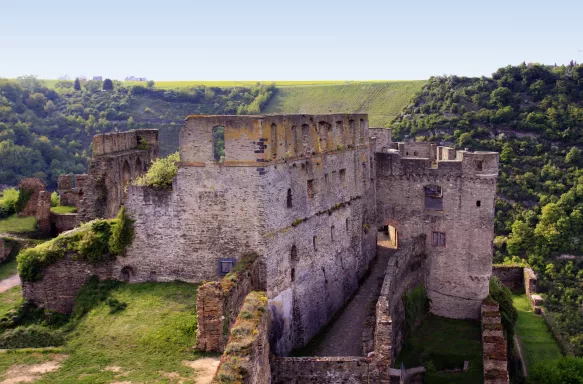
x: 249, y: 140
x: 430, y: 159
x: 109, y: 143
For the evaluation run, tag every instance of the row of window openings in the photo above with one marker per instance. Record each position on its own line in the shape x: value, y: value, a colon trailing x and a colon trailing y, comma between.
x: 324, y: 129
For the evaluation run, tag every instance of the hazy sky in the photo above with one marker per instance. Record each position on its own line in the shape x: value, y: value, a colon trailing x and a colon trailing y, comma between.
x: 284, y: 40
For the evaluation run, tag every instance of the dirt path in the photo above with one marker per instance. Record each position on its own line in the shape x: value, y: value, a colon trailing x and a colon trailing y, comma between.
x: 344, y: 336
x: 10, y: 282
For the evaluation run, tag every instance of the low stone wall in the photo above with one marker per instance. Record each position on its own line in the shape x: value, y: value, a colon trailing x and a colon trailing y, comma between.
x: 61, y: 222
x: 405, y: 270
x: 323, y: 370
x: 246, y: 357
x: 218, y: 303
x: 512, y: 276
x: 494, y: 345
x: 60, y: 283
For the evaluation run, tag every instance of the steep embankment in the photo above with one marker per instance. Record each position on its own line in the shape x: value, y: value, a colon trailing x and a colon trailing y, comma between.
x: 382, y: 101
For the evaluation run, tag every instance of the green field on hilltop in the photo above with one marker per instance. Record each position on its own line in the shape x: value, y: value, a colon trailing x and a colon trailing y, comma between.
x: 381, y: 100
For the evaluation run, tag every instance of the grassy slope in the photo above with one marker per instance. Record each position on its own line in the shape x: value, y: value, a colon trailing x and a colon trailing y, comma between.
x: 536, y: 340
x: 10, y: 299
x: 382, y: 100
x: 145, y: 343
x: 439, y: 339
x: 16, y: 224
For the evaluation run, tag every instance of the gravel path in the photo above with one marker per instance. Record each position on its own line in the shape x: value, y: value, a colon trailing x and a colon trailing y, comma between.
x: 344, y: 336
x: 10, y: 282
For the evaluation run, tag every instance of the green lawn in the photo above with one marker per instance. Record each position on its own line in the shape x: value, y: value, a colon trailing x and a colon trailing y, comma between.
x: 8, y: 269
x: 10, y: 299
x: 16, y: 224
x: 63, y: 209
x: 381, y: 100
x: 145, y: 343
x: 446, y: 343
x: 535, y: 338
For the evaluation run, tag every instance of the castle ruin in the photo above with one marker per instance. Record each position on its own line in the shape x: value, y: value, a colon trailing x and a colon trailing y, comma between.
x: 310, y: 195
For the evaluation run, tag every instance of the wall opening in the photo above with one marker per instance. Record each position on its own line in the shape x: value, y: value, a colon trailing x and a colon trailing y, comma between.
x: 340, y: 133
x: 361, y: 131
x: 306, y: 139
x: 311, y: 189
x: 295, y: 140
x: 347, y: 225
x: 126, y: 274
x: 274, y: 140
x: 479, y: 165
x: 325, y: 132
x: 342, y: 176
x: 351, y: 133
x: 387, y: 237
x: 153, y: 276
x: 332, y: 233
x: 433, y: 198
x: 478, y: 203
x: 219, y: 143
x: 289, y: 198
x: 438, y: 239
x: 293, y: 261
x: 139, y: 170
x: 314, y: 243
x: 226, y: 264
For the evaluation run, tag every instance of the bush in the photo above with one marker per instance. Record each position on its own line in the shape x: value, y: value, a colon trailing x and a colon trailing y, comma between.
x: 564, y: 370
x: 33, y: 336
x: 8, y: 202
x: 122, y: 233
x: 115, y: 305
x: 161, y: 173
x: 416, y: 307
x: 23, y: 197
x: 55, y: 199
x: 502, y: 295
x: 94, y: 245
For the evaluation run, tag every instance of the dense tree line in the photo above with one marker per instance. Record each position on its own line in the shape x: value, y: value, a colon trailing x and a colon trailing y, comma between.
x: 533, y: 115
x: 47, y: 132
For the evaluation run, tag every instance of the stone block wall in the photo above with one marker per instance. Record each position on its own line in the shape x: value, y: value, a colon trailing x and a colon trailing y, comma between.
x: 494, y: 345
x: 43, y: 212
x: 511, y: 276
x: 530, y: 282
x: 406, y: 269
x: 324, y: 370
x: 218, y: 305
x: 61, y: 222
x: 35, y: 185
x: 249, y: 357
x: 61, y: 282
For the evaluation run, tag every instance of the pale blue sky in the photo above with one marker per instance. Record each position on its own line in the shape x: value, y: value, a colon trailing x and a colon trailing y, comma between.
x: 292, y: 40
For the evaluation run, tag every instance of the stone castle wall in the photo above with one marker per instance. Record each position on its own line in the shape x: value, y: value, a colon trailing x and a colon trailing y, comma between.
x: 510, y: 276
x: 460, y: 267
x: 495, y: 354
x: 324, y: 370
x: 117, y: 159
x: 406, y: 269
x: 36, y: 186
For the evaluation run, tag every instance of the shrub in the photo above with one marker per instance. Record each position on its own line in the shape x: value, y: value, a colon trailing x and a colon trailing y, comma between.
x: 23, y: 197
x: 122, y: 233
x: 502, y: 295
x: 416, y: 307
x: 161, y: 173
x: 8, y: 202
x: 55, y: 199
x: 564, y: 370
x: 33, y: 336
x: 94, y: 245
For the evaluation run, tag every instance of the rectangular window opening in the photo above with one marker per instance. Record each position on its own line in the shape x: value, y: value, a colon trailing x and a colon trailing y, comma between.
x: 438, y: 239
x: 311, y: 189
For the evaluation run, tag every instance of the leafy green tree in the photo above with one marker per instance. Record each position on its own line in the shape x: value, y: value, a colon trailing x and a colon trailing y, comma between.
x: 567, y: 370
x: 161, y: 173
x: 55, y: 199
x: 77, y: 84
x: 501, y: 96
x: 107, y: 85
x: 574, y: 156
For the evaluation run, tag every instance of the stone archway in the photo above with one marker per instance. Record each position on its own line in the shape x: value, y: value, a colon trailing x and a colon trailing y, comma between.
x: 126, y: 274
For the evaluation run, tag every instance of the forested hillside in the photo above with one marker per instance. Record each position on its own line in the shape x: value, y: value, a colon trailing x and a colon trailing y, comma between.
x: 47, y: 132
x: 532, y: 115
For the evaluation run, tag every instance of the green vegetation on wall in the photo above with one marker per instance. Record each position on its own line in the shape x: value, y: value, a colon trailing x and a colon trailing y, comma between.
x: 92, y: 242
x: 416, y: 305
x: 161, y: 173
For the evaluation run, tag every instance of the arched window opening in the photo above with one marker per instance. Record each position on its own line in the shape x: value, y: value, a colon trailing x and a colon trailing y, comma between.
x: 126, y: 274
x: 289, y: 198
x: 219, y: 143
x: 274, y: 140
x: 433, y: 198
